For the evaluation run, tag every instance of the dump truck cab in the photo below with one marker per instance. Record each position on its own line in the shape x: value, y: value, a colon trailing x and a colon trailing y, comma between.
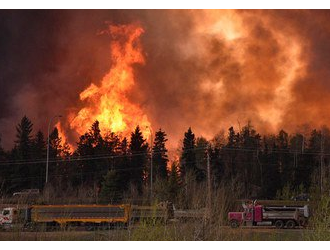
x: 250, y: 215
x: 9, y: 216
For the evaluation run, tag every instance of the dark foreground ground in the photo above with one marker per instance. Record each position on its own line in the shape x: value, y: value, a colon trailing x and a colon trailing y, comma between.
x: 162, y: 232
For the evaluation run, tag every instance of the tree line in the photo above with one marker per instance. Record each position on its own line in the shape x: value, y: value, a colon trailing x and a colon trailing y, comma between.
x: 255, y: 166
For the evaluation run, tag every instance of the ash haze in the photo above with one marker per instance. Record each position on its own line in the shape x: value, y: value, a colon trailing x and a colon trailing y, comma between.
x: 208, y: 69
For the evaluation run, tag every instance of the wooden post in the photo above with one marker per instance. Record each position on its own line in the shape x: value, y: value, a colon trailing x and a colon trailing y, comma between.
x: 209, y: 189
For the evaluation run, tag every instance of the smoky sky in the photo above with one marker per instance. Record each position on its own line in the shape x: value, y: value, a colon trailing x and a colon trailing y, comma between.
x: 190, y: 78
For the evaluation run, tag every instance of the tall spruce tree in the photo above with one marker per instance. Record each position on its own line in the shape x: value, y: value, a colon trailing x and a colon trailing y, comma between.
x: 159, y: 156
x: 270, y: 170
x: 202, y: 146
x: 188, y: 156
x: 23, y: 153
x: 122, y: 165
x: 217, y: 165
x: 92, y: 144
x: 230, y: 155
x: 24, y: 138
x: 285, y: 159
x: 249, y: 163
x: 313, y: 160
x: 138, y: 149
x: 299, y: 170
x: 174, y: 182
x: 39, y: 151
x: 55, y: 148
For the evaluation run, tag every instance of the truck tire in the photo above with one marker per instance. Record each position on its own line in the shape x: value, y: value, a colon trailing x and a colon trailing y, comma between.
x: 279, y: 224
x: 234, y: 224
x: 290, y: 224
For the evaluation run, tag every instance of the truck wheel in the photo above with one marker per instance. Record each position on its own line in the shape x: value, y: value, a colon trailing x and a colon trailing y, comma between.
x: 234, y: 224
x: 279, y: 224
x: 290, y: 224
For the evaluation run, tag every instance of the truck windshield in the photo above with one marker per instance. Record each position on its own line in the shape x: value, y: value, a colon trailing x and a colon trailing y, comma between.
x: 6, y: 212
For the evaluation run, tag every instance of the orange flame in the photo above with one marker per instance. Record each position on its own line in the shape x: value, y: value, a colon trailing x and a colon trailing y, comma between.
x: 61, y: 134
x: 108, y: 103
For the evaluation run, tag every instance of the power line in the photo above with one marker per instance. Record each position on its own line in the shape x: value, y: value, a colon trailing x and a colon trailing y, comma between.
x: 93, y: 172
x: 112, y: 156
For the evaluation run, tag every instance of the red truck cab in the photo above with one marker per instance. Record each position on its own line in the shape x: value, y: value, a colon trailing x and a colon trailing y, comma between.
x: 250, y: 215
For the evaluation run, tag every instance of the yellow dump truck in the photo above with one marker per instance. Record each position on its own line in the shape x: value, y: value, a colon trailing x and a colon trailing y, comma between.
x: 54, y: 216
x: 89, y: 217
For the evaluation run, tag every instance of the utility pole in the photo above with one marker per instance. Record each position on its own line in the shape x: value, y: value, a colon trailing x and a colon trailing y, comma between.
x: 47, y: 161
x: 321, y: 163
x: 151, y: 167
x: 209, y: 200
x: 151, y: 163
x: 295, y: 159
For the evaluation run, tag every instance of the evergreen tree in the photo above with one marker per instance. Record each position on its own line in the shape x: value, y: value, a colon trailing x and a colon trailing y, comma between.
x: 188, y: 156
x: 159, y: 156
x: 299, y: 170
x: 24, y: 139
x: 217, y: 165
x: 122, y: 165
x: 55, y: 172
x: 39, y: 151
x: 39, y: 146
x: 313, y: 159
x: 61, y: 170
x: 270, y: 170
x: 138, y: 149
x: 55, y: 144
x: 285, y: 159
x: 230, y: 154
x: 250, y: 171
x: 216, y: 154
x: 110, y: 190
x: 90, y: 145
x: 174, y: 181
x: 202, y: 146
x: 22, y: 152
x: 232, y: 138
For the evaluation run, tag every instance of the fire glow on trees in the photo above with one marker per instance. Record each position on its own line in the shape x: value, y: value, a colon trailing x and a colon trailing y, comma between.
x: 108, y: 102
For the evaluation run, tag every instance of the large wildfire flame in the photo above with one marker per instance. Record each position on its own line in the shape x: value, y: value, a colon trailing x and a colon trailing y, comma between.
x: 108, y: 103
x: 206, y: 69
x: 250, y: 75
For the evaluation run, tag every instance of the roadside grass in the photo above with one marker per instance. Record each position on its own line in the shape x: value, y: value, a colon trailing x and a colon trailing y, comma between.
x: 320, y: 221
x: 189, y: 231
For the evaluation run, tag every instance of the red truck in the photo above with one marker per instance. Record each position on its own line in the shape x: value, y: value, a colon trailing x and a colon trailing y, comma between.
x: 279, y: 216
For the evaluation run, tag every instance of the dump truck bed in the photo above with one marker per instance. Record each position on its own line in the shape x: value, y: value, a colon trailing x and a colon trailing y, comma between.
x: 80, y: 213
x: 280, y: 213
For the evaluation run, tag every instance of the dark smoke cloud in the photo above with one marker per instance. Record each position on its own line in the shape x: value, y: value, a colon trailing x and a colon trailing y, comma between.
x: 48, y: 57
